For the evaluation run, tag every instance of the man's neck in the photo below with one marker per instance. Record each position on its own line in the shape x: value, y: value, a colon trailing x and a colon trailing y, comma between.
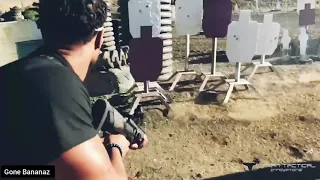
x: 78, y: 59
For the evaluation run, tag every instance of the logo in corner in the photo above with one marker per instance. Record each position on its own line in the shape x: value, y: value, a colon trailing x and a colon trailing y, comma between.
x: 250, y: 165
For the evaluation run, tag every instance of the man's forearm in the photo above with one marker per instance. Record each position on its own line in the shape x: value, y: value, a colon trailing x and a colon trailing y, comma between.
x: 116, y: 161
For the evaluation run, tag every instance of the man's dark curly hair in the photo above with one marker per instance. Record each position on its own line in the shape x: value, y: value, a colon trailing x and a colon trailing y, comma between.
x: 69, y: 22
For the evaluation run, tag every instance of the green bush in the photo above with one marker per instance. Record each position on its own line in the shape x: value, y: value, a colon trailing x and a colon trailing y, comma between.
x: 30, y: 14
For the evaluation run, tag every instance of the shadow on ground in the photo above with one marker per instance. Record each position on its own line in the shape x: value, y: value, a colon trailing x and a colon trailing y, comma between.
x: 266, y: 174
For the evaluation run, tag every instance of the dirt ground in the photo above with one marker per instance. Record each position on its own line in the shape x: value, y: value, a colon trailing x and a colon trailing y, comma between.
x: 208, y: 140
x: 204, y: 141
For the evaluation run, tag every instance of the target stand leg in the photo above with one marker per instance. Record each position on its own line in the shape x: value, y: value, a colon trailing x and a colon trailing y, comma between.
x: 147, y: 94
x: 162, y: 92
x: 257, y: 65
x: 135, y: 104
x: 186, y: 70
x: 232, y: 85
x: 155, y: 87
x: 213, y: 72
x: 207, y: 78
x: 179, y: 74
x: 238, y: 82
x: 139, y: 97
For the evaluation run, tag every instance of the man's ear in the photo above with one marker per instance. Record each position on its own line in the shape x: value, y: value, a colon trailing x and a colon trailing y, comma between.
x: 99, y: 40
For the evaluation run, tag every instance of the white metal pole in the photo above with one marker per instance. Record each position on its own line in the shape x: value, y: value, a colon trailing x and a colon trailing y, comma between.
x: 186, y: 65
x: 238, y: 71
x: 214, y: 55
x: 263, y: 58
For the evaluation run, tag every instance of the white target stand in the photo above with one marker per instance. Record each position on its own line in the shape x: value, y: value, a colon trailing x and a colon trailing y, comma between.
x: 306, y: 17
x: 266, y: 45
x: 242, y: 40
x: 146, y: 13
x: 238, y: 81
x: 263, y: 64
x: 147, y: 93
x: 186, y: 70
x: 213, y: 73
x: 285, y: 40
x: 235, y: 82
x: 188, y: 16
x: 153, y: 86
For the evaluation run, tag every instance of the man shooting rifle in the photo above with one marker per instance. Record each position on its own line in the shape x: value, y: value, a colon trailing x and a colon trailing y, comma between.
x: 45, y: 108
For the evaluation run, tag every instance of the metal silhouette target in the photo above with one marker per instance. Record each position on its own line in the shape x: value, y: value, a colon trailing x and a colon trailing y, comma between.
x: 188, y: 16
x: 242, y: 38
x: 144, y: 13
x: 307, y: 16
x: 146, y: 56
x: 301, y: 4
x: 286, y: 39
x: 217, y: 16
x: 268, y: 36
x: 303, y: 38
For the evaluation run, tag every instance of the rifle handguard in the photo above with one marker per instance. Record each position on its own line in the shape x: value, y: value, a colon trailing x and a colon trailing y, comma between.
x: 107, y: 120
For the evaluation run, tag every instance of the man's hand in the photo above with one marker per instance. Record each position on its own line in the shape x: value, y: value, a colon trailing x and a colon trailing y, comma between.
x: 124, y: 143
x: 120, y: 140
x: 143, y: 144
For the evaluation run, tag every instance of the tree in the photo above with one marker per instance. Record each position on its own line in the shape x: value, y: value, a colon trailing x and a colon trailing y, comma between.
x: 31, y: 14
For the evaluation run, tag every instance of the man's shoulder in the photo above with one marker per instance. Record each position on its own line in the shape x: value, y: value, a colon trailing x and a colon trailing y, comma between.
x: 33, y: 64
x: 44, y: 75
x: 52, y: 101
x: 46, y: 65
x: 48, y: 74
x: 45, y: 68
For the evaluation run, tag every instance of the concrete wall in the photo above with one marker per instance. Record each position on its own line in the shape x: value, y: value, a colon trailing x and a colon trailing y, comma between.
x: 17, y: 39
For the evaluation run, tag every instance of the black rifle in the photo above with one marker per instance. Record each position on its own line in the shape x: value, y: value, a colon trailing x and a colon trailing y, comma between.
x: 108, y: 120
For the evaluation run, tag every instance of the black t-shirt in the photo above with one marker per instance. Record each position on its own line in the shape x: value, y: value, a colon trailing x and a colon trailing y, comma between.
x: 44, y: 109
